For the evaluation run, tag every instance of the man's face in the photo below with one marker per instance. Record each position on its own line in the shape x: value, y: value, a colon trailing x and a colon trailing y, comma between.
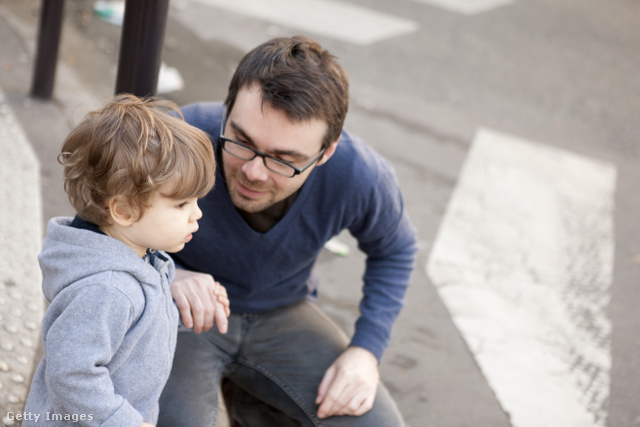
x: 252, y: 186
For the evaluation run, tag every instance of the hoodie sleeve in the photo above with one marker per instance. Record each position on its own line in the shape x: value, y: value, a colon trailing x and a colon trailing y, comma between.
x: 78, y: 346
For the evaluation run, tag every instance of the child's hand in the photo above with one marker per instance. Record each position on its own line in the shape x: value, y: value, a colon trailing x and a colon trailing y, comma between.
x: 221, y: 294
x: 147, y: 425
x: 200, y: 300
x: 222, y: 308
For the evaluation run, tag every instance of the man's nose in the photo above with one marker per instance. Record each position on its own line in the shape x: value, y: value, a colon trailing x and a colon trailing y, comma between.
x: 255, y: 170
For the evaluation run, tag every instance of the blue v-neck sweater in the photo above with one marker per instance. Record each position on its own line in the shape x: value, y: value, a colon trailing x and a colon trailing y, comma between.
x: 355, y: 190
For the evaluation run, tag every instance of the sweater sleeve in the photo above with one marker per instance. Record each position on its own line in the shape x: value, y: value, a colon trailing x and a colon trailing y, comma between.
x: 388, y: 239
x: 79, y: 345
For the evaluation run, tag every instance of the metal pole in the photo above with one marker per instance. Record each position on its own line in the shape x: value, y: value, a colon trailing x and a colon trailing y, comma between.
x: 141, y: 46
x: 47, y: 51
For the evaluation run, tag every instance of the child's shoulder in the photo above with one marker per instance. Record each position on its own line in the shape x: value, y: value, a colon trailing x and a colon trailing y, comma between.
x: 106, y: 287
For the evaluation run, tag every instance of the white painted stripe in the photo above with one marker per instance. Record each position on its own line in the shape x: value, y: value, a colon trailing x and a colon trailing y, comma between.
x: 523, y: 261
x: 343, y: 21
x: 467, y: 7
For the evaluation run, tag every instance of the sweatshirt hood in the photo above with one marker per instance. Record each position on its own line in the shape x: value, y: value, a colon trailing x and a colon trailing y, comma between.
x: 71, y: 254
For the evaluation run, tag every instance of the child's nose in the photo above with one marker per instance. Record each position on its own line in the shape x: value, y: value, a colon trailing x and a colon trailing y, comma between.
x: 197, y: 213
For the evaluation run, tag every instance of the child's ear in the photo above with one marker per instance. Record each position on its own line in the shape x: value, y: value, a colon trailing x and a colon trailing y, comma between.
x: 121, y: 211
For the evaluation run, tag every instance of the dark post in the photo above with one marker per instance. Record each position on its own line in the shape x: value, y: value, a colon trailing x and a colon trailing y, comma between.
x: 141, y: 46
x: 47, y: 51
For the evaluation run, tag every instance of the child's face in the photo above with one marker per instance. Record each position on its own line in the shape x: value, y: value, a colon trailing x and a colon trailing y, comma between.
x: 167, y: 224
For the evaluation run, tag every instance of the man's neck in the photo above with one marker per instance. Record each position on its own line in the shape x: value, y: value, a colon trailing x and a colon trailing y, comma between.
x: 264, y: 220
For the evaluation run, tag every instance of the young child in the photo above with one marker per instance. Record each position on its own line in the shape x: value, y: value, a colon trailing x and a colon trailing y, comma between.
x: 133, y: 172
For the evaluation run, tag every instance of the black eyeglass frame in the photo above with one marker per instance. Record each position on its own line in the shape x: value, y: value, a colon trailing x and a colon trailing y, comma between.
x: 256, y: 153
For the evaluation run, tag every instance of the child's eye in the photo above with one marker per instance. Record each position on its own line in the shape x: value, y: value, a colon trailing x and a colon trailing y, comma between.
x: 181, y: 205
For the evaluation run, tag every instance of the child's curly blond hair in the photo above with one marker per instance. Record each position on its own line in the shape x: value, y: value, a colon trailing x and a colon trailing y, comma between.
x: 130, y: 149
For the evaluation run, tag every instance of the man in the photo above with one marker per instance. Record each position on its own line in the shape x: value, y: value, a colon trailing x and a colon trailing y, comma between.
x: 290, y: 180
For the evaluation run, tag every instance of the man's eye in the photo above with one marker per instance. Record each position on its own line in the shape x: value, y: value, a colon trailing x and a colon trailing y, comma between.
x: 242, y: 141
x: 285, y: 161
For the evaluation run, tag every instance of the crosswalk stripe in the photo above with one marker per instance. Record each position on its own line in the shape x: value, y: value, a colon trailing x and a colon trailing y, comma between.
x: 338, y: 20
x: 467, y: 7
x: 523, y: 261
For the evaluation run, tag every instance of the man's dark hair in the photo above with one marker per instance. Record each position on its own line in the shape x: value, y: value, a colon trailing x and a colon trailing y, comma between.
x: 299, y: 78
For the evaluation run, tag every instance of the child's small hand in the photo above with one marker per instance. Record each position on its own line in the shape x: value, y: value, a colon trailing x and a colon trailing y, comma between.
x: 222, y: 308
x: 147, y: 425
x: 202, y: 302
x: 221, y: 295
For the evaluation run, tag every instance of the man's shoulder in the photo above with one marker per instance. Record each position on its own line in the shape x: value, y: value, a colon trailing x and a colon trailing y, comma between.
x: 356, y: 160
x: 203, y: 115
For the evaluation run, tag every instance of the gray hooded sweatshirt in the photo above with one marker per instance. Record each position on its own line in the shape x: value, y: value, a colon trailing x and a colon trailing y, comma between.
x: 109, y: 334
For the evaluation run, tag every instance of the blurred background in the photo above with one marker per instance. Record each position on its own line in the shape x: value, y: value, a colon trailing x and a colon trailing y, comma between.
x: 513, y: 129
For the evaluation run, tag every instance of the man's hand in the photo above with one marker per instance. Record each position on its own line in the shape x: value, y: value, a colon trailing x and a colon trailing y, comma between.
x: 201, y: 301
x: 349, y: 385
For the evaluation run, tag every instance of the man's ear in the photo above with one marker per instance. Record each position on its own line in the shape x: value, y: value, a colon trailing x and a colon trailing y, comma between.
x: 121, y: 211
x: 329, y: 152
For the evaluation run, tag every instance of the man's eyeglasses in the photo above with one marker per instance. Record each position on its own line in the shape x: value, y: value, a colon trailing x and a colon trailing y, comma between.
x: 244, y: 152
